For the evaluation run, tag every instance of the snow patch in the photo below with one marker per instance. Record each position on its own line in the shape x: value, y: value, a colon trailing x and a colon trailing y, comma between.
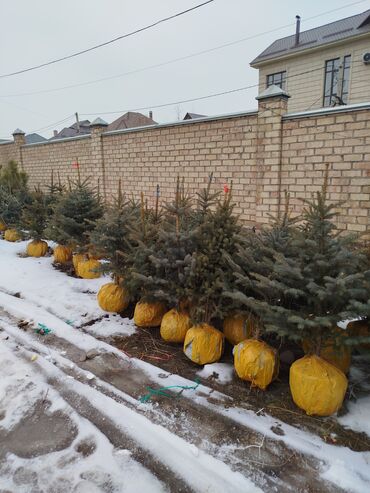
x: 113, y: 325
x: 222, y: 372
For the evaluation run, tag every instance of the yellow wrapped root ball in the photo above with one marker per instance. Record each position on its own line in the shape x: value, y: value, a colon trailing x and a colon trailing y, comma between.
x: 175, y: 325
x: 256, y: 362
x: 149, y: 314
x: 317, y: 387
x: 3, y: 226
x: 112, y: 298
x: 238, y: 328
x: 333, y: 350
x: 88, y: 269
x: 62, y: 254
x: 203, y: 344
x: 12, y: 235
x: 37, y: 248
x: 77, y: 259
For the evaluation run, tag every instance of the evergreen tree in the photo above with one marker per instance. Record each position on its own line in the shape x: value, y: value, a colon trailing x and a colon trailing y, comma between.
x: 142, y: 242
x: 209, y: 274
x: 35, y: 214
x: 13, y: 193
x: 12, y: 179
x: 10, y: 208
x: 315, y: 279
x: 75, y: 213
x: 110, y: 237
x: 172, y: 252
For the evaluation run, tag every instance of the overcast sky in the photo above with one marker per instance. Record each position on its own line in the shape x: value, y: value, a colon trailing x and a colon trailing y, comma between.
x: 36, y: 31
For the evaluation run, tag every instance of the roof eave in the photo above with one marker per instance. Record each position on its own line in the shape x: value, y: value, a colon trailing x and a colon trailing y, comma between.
x: 257, y: 64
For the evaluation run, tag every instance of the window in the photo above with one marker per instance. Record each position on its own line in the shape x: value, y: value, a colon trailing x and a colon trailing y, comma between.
x: 277, y: 79
x: 337, y: 81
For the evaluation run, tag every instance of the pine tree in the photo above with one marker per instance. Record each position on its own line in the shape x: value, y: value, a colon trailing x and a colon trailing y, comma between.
x: 110, y: 237
x: 303, y: 289
x: 12, y: 179
x: 141, y: 244
x: 209, y: 274
x: 13, y: 193
x: 35, y: 214
x: 10, y: 208
x: 75, y: 213
x: 172, y: 252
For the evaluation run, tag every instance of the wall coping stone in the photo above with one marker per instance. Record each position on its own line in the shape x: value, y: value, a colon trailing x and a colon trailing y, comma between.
x: 327, y: 111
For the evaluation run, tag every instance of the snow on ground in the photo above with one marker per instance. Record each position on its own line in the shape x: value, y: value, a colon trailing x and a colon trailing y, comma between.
x: 354, y: 466
x: 358, y: 416
x: 222, y: 372
x: 61, y: 302
x: 37, y: 281
x: 113, y: 325
x: 70, y: 299
x: 103, y: 468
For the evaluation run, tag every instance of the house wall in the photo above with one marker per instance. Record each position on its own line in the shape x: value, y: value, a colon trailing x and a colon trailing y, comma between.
x: 306, y: 90
x: 263, y: 153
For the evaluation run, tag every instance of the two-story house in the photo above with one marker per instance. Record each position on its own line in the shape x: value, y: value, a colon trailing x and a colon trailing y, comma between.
x: 325, y: 66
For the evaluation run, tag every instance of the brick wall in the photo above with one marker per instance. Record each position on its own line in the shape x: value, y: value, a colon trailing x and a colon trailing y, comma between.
x: 343, y: 141
x: 264, y: 153
x: 225, y: 147
x: 7, y: 152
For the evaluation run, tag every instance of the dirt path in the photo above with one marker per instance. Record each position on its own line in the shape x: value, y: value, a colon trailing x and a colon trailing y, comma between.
x: 268, y: 462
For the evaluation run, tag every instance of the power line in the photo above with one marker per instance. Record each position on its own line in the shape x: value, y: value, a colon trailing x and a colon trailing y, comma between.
x: 174, y: 60
x: 114, y: 40
x: 51, y: 125
x: 230, y: 91
x: 180, y: 102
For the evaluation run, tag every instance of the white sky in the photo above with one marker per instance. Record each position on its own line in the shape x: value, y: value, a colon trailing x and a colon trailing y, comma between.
x: 36, y: 31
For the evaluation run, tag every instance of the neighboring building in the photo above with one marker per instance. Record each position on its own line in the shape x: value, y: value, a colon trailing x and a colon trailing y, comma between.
x: 80, y: 128
x: 321, y: 67
x: 131, y: 120
x: 193, y: 116
x: 128, y: 120
x: 34, y: 138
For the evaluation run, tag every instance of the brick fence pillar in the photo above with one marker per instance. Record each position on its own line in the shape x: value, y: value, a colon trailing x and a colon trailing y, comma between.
x: 19, y: 141
x: 272, y: 105
x: 97, y: 155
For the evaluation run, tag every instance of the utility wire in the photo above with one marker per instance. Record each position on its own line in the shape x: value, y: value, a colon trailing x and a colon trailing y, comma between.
x: 239, y: 89
x: 182, y: 101
x: 114, y: 40
x: 51, y: 125
x: 174, y: 60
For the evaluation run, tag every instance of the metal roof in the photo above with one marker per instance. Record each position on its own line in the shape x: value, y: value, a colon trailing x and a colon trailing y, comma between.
x: 319, y: 36
x: 130, y: 119
x: 33, y: 138
x: 191, y: 116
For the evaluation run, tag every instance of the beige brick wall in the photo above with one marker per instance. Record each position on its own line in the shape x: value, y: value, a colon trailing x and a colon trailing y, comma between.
x: 7, y: 153
x: 307, y: 90
x: 263, y: 154
x: 226, y: 147
x: 343, y: 141
x: 39, y: 160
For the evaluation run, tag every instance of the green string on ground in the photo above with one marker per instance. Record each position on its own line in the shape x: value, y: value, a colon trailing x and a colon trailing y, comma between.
x: 162, y: 391
x: 42, y: 330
